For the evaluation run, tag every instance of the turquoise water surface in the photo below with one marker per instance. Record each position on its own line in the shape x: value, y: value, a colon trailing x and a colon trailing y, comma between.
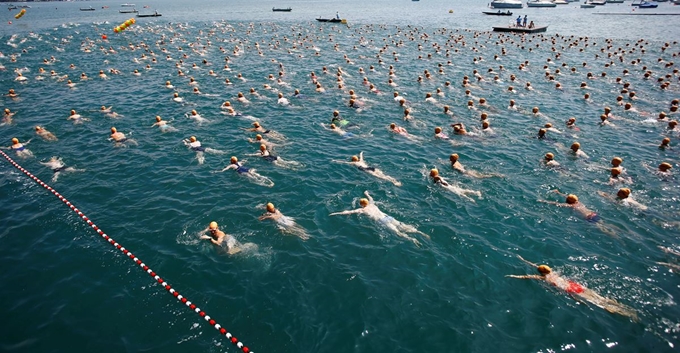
x: 353, y: 286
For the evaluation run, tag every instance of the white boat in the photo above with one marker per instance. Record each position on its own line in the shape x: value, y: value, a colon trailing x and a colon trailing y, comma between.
x: 541, y: 3
x: 561, y: 2
x: 127, y: 5
x: 598, y: 2
x: 506, y: 4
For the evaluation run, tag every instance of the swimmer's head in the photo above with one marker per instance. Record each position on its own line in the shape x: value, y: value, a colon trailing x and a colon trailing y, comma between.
x: 15, y: 140
x: 623, y: 193
x: 616, y: 161
x: 113, y: 130
x: 192, y: 138
x: 666, y: 141
x: 548, y: 125
x: 256, y: 124
x: 485, y: 125
x: 355, y: 159
x: 575, y: 146
x: 332, y: 126
x: 73, y: 112
x: 270, y: 207
x: 233, y: 160
x: 363, y: 202
x: 7, y: 111
x: 158, y: 118
x: 258, y: 137
x: 336, y: 113
x: 549, y: 156
x: 263, y: 148
x: 103, y: 108
x: 615, y: 172
x: 437, y: 130
x: 434, y: 172
x: 213, y: 225
x: 534, y: 110
x: 665, y: 166
x: 544, y: 269
x: 454, y: 157
x: 572, y: 199
x: 38, y: 128
x: 393, y: 126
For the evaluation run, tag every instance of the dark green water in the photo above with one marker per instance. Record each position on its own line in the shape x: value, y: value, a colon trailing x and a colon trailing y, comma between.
x: 353, y: 286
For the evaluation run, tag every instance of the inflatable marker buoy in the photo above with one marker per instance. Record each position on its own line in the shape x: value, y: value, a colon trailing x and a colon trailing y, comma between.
x: 124, y: 25
x: 20, y: 14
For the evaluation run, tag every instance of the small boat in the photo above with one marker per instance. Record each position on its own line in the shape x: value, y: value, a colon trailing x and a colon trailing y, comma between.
x: 87, y: 8
x: 24, y: 7
x: 127, y: 5
x: 281, y: 10
x: 561, y: 2
x: 11, y: 7
x: 499, y: 13
x: 506, y: 4
x: 541, y: 3
x: 133, y: 10
x: 154, y: 14
x: 587, y: 5
x: 598, y: 2
x: 615, y: 1
x: 647, y: 5
x: 332, y: 20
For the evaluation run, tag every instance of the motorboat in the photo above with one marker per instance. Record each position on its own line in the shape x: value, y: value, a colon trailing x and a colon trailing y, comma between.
x: 154, y: 14
x: 127, y: 5
x: 11, y: 7
x: 541, y: 3
x: 499, y: 13
x: 561, y: 2
x: 615, y: 1
x: 647, y: 5
x: 282, y: 10
x: 87, y: 8
x: 332, y: 20
x: 506, y: 4
x: 598, y: 2
x: 133, y: 10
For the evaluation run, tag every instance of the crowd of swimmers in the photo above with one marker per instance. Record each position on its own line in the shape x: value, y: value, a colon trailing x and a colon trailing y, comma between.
x: 358, y: 104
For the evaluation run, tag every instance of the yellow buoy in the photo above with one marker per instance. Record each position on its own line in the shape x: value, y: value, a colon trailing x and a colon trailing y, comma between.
x: 450, y: 11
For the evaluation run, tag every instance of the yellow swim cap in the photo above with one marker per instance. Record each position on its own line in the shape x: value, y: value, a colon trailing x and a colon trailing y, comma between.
x: 434, y: 172
x: 544, y: 269
x: 213, y: 225
x: 270, y: 207
x: 363, y: 202
x: 15, y: 140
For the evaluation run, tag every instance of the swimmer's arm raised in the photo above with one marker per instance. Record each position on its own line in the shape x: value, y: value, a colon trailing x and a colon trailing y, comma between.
x: 370, y: 199
x: 526, y: 261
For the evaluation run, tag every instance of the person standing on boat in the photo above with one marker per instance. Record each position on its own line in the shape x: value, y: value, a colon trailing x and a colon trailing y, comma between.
x: 337, y: 15
x: 519, y: 21
x: 524, y: 23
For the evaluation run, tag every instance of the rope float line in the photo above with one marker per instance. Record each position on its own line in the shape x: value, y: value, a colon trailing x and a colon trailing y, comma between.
x: 139, y: 262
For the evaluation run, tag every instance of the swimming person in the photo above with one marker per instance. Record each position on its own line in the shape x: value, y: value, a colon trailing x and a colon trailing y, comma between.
x: 20, y: 148
x: 261, y: 130
x: 220, y: 238
x: 46, y: 135
x: 438, y: 180
x: 284, y: 223
x: 455, y: 164
x: 338, y: 131
x: 58, y: 166
x: 248, y: 172
x: 363, y: 166
x: 369, y: 208
x: 264, y: 153
x: 577, y: 291
x: 623, y: 197
x: 589, y: 215
x: 7, y: 117
x: 163, y: 125
x: 195, y: 146
x: 120, y: 139
x: 77, y: 118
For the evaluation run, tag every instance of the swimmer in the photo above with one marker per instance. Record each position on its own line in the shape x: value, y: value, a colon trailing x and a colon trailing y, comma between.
x: 364, y: 167
x: 46, y: 135
x: 338, y: 131
x: 438, y: 180
x: 228, y: 109
x: 616, y: 178
x: 163, y: 125
x: 195, y: 146
x: 177, y: 98
x: 577, y: 291
x: 266, y: 155
x: 571, y: 124
x: 108, y: 112
x: 248, y: 172
x: 439, y: 134
x: 340, y: 121
x: 77, y: 118
x: 7, y: 118
x: 241, y: 98
x: 20, y: 148
x: 665, y: 144
x: 459, y: 129
x: 284, y: 223
x: 576, y: 151
x: 623, y: 197
x: 193, y: 115
x: 455, y: 164
x: 282, y: 100
x: 119, y: 138
x: 590, y: 216
x: 58, y: 166
x: 218, y: 237
x: 369, y: 208
x: 261, y: 130
x: 549, y: 161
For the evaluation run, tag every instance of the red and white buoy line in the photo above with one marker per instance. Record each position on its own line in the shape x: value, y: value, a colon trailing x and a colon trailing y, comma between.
x: 139, y: 262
